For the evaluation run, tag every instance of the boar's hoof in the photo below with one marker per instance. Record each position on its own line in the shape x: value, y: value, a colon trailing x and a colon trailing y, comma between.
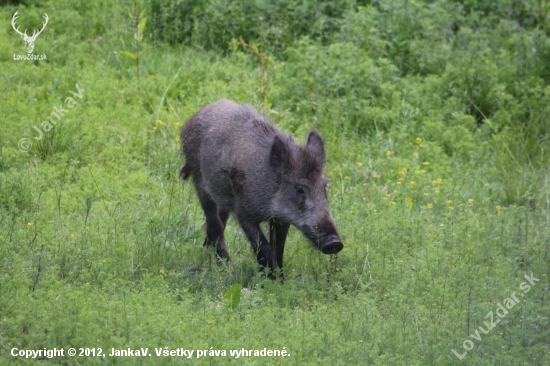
x: 332, y: 247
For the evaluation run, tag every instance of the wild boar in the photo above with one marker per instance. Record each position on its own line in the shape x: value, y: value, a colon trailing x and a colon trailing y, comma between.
x: 241, y: 164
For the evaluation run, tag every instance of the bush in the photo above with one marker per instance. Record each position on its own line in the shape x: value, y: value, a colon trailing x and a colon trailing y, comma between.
x: 416, y: 37
x: 340, y: 84
x: 275, y: 24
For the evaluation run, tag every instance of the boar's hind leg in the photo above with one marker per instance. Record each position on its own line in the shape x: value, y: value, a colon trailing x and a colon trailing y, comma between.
x: 214, y: 225
x: 277, y: 235
x: 260, y: 245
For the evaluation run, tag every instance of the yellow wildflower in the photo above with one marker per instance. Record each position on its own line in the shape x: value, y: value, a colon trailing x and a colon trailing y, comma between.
x: 429, y: 205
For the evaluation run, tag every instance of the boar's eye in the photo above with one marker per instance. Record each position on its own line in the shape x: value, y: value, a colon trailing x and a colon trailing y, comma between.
x: 300, y: 193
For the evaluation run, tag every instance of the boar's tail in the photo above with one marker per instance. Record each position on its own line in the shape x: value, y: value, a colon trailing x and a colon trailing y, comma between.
x: 185, y: 171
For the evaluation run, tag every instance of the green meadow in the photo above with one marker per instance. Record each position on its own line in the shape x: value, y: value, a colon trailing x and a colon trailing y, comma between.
x: 436, y: 120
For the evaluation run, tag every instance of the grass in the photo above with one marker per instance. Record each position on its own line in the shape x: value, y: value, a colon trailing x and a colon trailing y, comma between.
x: 439, y: 186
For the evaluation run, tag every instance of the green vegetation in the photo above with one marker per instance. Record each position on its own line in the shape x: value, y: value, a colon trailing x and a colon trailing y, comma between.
x: 436, y: 116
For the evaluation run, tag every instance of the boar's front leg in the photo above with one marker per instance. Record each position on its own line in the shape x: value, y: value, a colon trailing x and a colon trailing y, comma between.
x: 224, y: 216
x: 277, y: 235
x: 214, y: 224
x: 260, y: 245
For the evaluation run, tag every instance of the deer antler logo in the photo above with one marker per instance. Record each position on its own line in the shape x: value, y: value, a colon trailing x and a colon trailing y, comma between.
x: 29, y: 41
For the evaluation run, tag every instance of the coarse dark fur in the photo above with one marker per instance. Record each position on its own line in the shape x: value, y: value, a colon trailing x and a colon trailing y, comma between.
x: 241, y: 163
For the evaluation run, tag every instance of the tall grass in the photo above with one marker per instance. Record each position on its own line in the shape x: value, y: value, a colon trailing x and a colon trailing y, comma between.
x: 435, y: 120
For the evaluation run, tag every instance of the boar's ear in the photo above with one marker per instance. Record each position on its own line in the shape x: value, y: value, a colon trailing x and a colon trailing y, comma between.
x: 316, y: 145
x: 278, y: 154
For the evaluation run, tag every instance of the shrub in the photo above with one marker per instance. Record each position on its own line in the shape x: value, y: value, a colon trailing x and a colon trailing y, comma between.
x: 275, y: 24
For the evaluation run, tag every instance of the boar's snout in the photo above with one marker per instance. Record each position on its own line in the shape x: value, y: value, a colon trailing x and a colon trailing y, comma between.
x: 324, y: 236
x: 328, y: 243
x: 331, y: 245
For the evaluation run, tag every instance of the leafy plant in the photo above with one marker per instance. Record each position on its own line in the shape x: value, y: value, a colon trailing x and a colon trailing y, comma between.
x: 233, y: 296
x: 138, y: 22
x: 263, y: 77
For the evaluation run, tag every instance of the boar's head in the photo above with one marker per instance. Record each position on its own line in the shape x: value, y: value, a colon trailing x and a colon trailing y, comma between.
x: 301, y: 199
